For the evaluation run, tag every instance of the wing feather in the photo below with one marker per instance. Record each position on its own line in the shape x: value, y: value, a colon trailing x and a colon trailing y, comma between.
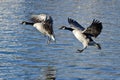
x: 75, y: 24
x: 41, y: 18
x: 94, y: 29
x: 48, y: 26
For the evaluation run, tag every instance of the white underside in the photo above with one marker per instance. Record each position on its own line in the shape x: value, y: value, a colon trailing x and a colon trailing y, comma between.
x: 39, y: 27
x: 82, y: 38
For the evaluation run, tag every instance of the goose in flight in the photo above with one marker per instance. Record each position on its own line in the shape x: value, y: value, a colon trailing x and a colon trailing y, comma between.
x: 44, y: 24
x: 85, y: 35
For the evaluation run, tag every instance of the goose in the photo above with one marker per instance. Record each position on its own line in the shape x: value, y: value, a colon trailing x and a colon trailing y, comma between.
x: 85, y: 35
x: 44, y: 24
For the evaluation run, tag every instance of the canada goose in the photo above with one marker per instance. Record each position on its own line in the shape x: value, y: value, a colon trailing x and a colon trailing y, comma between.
x: 85, y: 35
x: 44, y: 24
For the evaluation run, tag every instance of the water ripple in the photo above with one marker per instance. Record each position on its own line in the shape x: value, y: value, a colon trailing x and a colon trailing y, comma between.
x: 25, y: 55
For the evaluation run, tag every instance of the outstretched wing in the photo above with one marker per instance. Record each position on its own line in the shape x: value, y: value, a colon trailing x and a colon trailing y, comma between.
x: 94, y: 29
x: 75, y: 24
x: 41, y: 18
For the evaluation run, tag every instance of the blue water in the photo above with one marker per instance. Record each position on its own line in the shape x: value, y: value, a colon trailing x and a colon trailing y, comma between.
x: 25, y: 55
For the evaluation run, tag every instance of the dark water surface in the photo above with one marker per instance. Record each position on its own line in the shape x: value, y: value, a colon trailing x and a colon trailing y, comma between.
x: 24, y: 54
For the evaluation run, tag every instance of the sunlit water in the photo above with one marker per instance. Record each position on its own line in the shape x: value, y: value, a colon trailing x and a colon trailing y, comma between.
x: 25, y: 55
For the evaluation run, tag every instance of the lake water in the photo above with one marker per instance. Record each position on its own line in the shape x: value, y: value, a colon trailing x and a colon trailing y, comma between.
x: 25, y: 55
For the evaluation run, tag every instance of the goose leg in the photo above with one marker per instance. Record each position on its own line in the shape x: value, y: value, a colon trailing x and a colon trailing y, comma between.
x: 85, y: 44
x: 81, y: 50
x: 49, y: 40
x: 98, y: 46
x: 55, y: 41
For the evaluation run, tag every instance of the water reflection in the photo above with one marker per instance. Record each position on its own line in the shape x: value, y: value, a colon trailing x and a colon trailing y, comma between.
x: 50, y: 73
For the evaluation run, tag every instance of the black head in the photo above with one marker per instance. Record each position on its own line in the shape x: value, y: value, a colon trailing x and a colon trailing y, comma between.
x: 63, y: 27
x: 27, y: 23
x: 23, y: 22
x: 66, y: 28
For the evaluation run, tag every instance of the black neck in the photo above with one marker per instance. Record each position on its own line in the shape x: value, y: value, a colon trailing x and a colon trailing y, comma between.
x: 70, y: 29
x: 28, y: 23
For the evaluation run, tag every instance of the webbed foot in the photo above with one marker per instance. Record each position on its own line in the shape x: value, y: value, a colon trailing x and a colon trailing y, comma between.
x: 79, y: 51
x: 98, y: 46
